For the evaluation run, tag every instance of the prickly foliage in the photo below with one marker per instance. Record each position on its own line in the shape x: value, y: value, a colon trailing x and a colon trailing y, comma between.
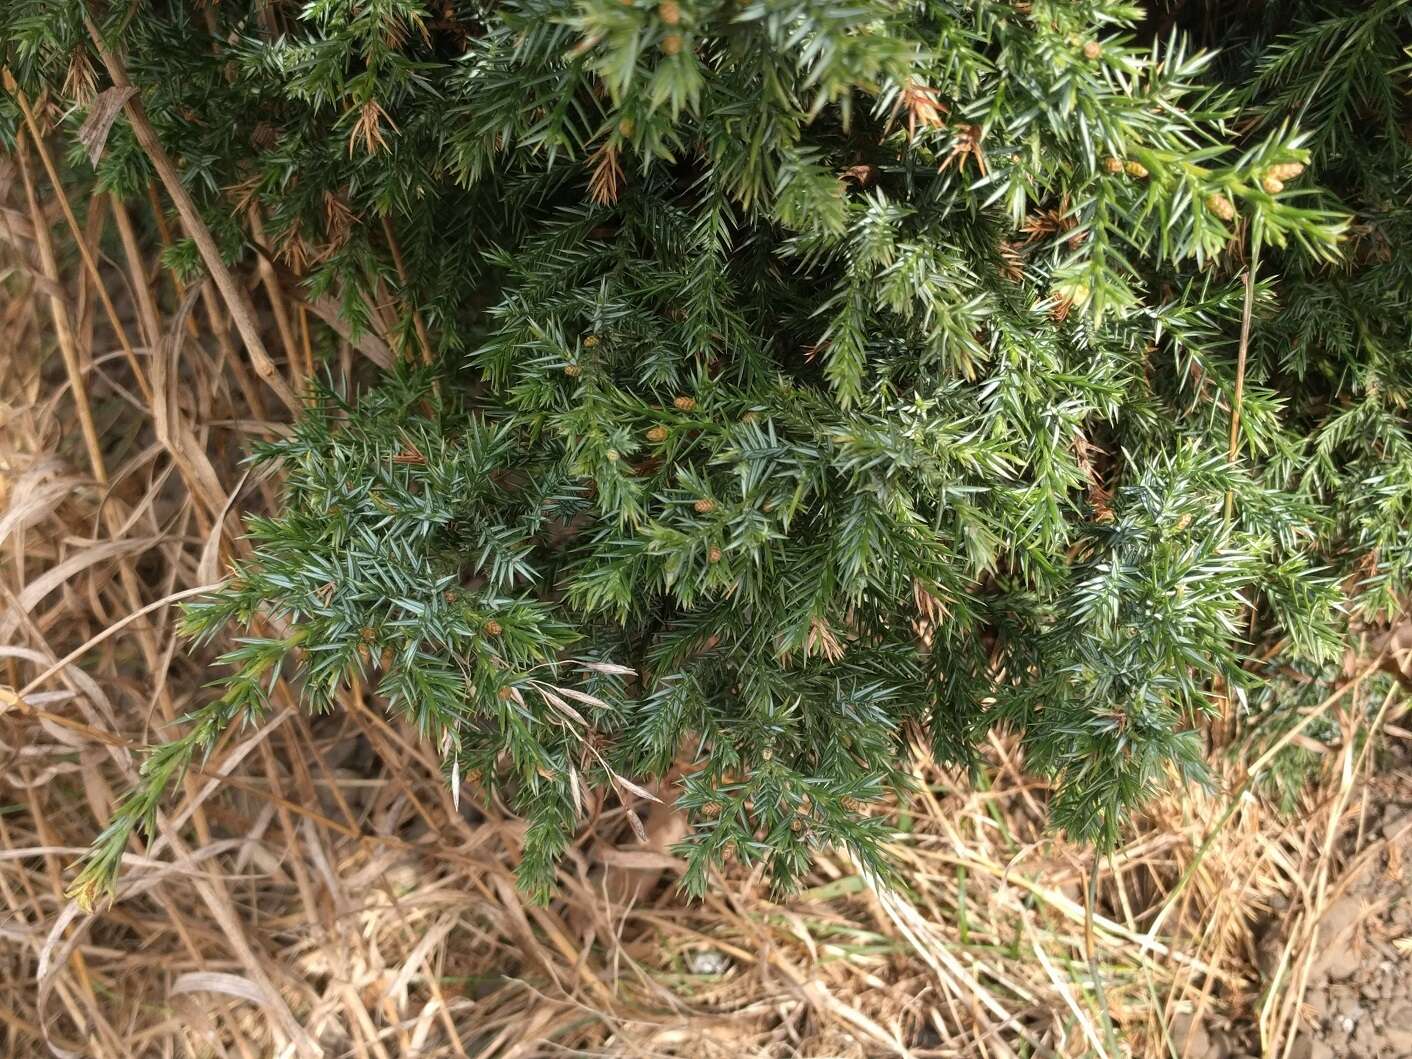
x: 793, y: 387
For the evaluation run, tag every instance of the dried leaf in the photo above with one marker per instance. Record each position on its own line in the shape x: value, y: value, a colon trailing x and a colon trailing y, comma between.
x: 559, y: 704
x: 639, y: 791
x: 219, y: 982
x: 581, y: 696
x: 608, y: 667
x: 105, y: 110
x: 574, y: 790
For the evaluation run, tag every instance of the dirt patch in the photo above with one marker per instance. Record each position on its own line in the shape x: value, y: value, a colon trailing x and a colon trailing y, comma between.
x: 1360, y: 985
x: 1358, y: 998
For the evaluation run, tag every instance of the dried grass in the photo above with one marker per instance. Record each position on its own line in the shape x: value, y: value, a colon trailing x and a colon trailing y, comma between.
x: 314, y: 890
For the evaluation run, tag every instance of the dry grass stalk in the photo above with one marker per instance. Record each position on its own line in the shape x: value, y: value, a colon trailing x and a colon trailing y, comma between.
x: 234, y: 294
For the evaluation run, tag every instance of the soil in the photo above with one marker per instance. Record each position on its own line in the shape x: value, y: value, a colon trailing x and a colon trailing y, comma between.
x: 1360, y: 985
x: 1358, y: 1003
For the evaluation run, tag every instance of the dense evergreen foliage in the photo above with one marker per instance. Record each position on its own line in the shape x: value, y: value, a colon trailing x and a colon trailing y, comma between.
x: 790, y: 387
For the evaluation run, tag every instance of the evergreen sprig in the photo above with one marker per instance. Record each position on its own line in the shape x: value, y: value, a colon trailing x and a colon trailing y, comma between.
x: 811, y: 384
